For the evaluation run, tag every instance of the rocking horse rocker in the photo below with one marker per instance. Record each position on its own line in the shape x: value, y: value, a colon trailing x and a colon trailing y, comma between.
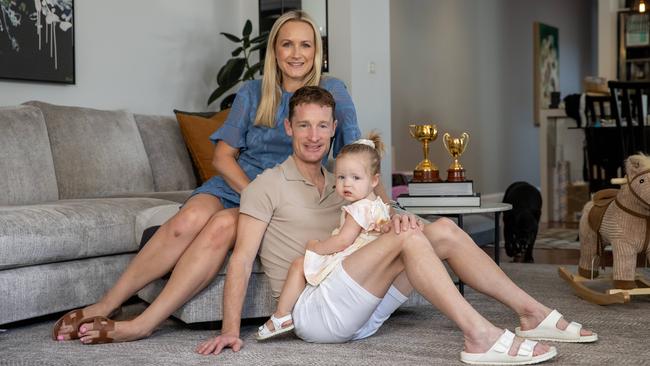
x: 620, y: 217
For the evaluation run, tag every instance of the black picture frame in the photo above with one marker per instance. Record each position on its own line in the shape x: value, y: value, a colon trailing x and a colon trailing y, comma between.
x: 37, y: 44
x: 270, y: 10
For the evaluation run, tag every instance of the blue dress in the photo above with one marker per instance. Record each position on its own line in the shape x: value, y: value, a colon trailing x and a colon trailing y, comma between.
x: 263, y: 148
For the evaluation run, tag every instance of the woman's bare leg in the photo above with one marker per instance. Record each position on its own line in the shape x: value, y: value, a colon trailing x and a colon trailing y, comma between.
x: 376, y: 265
x: 158, y: 256
x: 479, y: 271
x: 196, y: 268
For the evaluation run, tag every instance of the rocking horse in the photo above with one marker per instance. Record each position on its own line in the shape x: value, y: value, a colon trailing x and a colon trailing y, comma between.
x: 620, y: 217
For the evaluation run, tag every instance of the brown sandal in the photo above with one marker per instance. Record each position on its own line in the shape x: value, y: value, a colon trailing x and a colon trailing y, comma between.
x: 103, y: 325
x: 72, y: 318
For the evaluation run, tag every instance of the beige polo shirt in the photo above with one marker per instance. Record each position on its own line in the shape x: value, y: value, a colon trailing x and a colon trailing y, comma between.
x: 295, y: 213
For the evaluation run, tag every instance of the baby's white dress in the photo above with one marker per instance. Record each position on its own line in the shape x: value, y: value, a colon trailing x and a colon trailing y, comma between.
x: 370, y: 215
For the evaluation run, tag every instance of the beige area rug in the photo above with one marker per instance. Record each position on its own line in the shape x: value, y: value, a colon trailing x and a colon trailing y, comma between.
x: 557, y: 238
x: 415, y: 336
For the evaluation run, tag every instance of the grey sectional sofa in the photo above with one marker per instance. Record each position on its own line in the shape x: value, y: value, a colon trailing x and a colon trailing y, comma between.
x: 73, y: 182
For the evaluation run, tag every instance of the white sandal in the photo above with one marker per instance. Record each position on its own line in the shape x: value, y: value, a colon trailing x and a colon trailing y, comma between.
x: 547, y: 330
x: 265, y: 333
x: 498, y: 354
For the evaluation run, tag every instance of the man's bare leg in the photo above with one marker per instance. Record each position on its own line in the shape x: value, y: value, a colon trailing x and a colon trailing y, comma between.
x: 479, y: 271
x: 157, y: 257
x: 376, y: 266
x: 195, y: 269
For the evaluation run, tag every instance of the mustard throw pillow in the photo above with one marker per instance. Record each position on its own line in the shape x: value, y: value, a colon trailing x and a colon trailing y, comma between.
x: 196, y: 129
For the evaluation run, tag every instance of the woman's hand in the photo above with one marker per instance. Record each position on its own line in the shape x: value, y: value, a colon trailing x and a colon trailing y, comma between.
x: 403, y: 222
x: 217, y: 344
x: 225, y: 162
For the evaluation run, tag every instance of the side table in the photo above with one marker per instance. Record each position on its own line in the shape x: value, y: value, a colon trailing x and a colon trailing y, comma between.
x: 458, y: 212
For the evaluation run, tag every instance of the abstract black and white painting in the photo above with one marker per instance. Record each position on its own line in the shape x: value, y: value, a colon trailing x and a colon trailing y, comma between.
x: 37, y: 40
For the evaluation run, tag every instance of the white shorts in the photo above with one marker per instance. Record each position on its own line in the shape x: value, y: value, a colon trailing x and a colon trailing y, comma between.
x: 333, y: 311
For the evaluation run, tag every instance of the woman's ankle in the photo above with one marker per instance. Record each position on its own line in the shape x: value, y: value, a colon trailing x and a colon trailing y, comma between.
x: 100, y: 308
x: 138, y: 328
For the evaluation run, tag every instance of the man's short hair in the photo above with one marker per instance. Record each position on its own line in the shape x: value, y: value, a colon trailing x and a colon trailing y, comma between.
x: 311, y: 95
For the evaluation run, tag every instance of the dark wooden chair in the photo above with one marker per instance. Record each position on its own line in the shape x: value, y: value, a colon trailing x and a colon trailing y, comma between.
x: 630, y: 110
x: 603, y: 152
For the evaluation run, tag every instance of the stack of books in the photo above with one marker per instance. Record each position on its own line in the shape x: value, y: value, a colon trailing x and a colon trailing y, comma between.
x: 442, y: 194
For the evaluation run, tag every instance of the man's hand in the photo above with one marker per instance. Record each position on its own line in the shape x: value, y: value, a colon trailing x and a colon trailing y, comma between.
x: 218, y: 343
x: 403, y: 222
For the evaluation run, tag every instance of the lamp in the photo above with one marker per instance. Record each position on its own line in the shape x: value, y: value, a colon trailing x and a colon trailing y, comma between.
x: 641, y: 6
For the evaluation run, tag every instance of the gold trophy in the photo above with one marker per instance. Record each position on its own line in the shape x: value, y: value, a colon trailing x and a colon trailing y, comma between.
x: 455, y: 147
x: 425, y: 171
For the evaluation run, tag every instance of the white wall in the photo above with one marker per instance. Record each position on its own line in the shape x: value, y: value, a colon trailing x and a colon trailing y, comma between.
x: 360, y: 36
x: 467, y: 66
x: 147, y: 57
x: 607, y: 35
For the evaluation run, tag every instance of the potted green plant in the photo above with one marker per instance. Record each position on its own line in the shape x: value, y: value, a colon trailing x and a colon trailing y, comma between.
x: 238, y: 68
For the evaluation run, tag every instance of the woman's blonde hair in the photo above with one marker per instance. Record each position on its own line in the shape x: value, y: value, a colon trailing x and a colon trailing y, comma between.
x: 374, y: 152
x: 272, y: 79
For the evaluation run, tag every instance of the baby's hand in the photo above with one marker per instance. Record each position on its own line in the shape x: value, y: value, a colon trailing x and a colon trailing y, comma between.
x: 311, y: 245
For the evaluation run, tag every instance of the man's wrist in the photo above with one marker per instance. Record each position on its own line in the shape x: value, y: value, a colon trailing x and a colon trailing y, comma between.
x: 395, y: 207
x: 230, y: 333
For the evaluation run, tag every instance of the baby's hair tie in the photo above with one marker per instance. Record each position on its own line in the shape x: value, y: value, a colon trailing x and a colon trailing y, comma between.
x: 365, y: 142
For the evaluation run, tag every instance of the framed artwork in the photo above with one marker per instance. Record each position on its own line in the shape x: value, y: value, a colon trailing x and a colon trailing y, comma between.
x: 37, y: 40
x: 546, y: 66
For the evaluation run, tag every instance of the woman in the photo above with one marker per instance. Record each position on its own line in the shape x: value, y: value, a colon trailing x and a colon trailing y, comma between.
x: 196, y: 240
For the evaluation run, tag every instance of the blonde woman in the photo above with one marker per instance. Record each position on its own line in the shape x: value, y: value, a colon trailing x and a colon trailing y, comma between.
x: 194, y: 243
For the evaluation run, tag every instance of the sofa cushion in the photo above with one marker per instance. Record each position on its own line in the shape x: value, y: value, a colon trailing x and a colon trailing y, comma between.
x: 168, y: 157
x: 207, y: 305
x: 96, y: 153
x: 154, y: 216
x: 69, y: 229
x: 196, y: 131
x: 33, y: 291
x: 26, y: 166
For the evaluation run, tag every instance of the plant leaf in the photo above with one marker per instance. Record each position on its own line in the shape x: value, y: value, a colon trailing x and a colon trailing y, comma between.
x: 248, y: 28
x: 257, y: 47
x: 236, y: 52
x: 247, y: 42
x: 261, y: 38
x: 221, y: 76
x: 236, y: 72
x: 231, y: 37
x: 227, y: 101
x: 220, y: 91
x: 250, y: 73
x: 231, y: 71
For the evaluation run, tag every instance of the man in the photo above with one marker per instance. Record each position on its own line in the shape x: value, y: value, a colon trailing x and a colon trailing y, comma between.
x: 295, y: 202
